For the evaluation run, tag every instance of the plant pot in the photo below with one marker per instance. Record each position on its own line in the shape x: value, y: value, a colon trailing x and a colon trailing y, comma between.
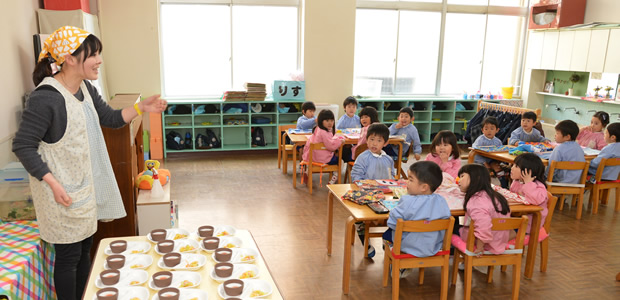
x: 570, y: 92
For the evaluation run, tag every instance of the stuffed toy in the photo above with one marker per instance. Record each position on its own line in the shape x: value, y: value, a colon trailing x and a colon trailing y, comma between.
x: 144, y: 180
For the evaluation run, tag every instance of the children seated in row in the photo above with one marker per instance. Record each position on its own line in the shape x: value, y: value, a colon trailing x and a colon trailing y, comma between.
x: 612, y: 150
x: 307, y: 120
x: 325, y: 133
x: 527, y: 132
x: 374, y: 163
x: 567, y: 150
x: 528, y: 175
x: 420, y: 203
x: 481, y: 205
x: 404, y: 127
x: 593, y: 136
x: 349, y: 119
x: 445, y: 152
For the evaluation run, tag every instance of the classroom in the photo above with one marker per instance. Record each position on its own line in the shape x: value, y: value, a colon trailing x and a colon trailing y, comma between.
x: 310, y: 149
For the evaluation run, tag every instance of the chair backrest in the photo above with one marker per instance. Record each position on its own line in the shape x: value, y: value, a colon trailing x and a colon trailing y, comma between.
x: 321, y: 146
x: 500, y: 224
x: 606, y: 162
x: 283, y: 129
x: 551, y: 202
x: 360, y: 149
x: 423, y: 226
x: 569, y: 165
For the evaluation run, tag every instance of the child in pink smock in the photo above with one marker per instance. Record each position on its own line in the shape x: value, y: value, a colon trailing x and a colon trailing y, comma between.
x: 324, y: 133
x: 528, y: 175
x: 368, y: 115
x: 445, y: 152
x: 593, y: 136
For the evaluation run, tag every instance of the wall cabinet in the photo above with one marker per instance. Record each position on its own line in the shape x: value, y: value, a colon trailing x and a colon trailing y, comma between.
x: 565, y: 50
x: 597, y: 51
x: 550, y: 49
x: 612, y: 61
x: 534, y: 49
x: 581, y: 46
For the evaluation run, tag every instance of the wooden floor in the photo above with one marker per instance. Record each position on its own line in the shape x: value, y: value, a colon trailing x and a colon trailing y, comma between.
x: 247, y: 190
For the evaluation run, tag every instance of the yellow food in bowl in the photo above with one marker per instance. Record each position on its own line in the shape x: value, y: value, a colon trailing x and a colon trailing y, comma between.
x: 180, y: 236
x: 248, y: 274
x: 257, y: 293
x: 230, y: 245
x: 223, y: 233
x: 187, y: 248
x: 247, y: 258
x: 137, y: 266
x: 186, y: 283
x: 192, y: 264
x: 137, y: 251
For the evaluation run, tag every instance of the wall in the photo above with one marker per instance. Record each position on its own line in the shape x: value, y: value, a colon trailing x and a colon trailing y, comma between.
x: 18, y: 23
x: 583, y: 106
x: 602, y: 11
x: 328, y: 50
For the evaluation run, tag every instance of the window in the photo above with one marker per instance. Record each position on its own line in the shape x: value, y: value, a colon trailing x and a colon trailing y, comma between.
x: 440, y: 47
x: 209, y: 47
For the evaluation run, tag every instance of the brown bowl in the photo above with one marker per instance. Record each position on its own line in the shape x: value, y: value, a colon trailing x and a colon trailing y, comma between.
x: 162, y: 279
x: 223, y: 254
x: 205, y: 231
x: 172, y: 259
x: 158, y: 235
x: 233, y: 287
x: 165, y: 246
x: 211, y: 243
x: 108, y: 293
x: 234, y: 298
x: 223, y: 270
x: 110, y: 277
x: 115, y: 261
x: 118, y: 246
x: 169, y: 294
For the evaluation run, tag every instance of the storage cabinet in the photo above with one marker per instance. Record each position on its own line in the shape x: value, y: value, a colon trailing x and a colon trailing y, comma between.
x: 565, y: 50
x: 550, y: 49
x: 580, y: 49
x: 597, y: 51
x: 534, y: 49
x: 612, y: 61
x: 126, y: 152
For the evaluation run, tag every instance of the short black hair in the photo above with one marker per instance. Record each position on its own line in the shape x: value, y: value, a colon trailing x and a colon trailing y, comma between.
x: 325, y: 114
x: 408, y: 110
x: 427, y: 172
x: 614, y: 129
x: 568, y: 127
x: 349, y: 100
x: 603, y: 116
x: 529, y: 115
x: 379, y: 130
x: 481, y: 181
x: 445, y: 137
x: 491, y: 121
x: 532, y: 162
x: 308, y: 105
x: 371, y: 112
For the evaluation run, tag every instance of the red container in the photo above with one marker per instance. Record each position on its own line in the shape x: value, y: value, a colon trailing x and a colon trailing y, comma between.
x: 67, y: 5
x: 561, y: 13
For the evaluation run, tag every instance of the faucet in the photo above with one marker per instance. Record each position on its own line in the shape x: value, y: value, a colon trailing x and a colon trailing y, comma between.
x: 617, y: 114
x: 591, y: 110
x: 557, y: 108
x: 570, y: 108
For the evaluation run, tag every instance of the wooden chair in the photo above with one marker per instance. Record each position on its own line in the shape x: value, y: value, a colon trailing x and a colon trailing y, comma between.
x: 543, y: 236
x: 285, y: 151
x: 604, y: 186
x: 398, y: 260
x: 563, y: 189
x: 314, y: 167
x: 404, y: 160
x: 510, y: 257
x: 358, y: 151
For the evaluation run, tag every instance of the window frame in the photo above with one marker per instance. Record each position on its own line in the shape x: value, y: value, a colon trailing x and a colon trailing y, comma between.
x: 230, y: 4
x: 444, y: 8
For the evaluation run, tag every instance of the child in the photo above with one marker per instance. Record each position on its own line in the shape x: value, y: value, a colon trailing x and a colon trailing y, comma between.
x: 490, y: 127
x: 324, y: 133
x: 374, y: 163
x: 307, y: 120
x: 527, y: 132
x: 528, y: 173
x: 349, y: 119
x: 445, y: 152
x: 566, y: 150
x: 404, y: 127
x: 593, y: 136
x: 612, y: 150
x: 368, y: 116
x: 420, y: 204
x: 481, y: 205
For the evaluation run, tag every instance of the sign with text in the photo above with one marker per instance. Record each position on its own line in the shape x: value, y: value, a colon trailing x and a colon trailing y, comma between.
x: 289, y: 90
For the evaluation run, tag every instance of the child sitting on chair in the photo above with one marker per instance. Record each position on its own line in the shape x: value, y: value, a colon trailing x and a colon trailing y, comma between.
x: 612, y: 150
x: 404, y: 127
x: 368, y: 115
x: 593, y: 136
x: 307, y: 120
x: 490, y: 127
x: 445, y: 153
x: 324, y: 133
x: 421, y: 203
x: 349, y: 119
x: 374, y: 163
x: 567, y: 150
x: 527, y: 132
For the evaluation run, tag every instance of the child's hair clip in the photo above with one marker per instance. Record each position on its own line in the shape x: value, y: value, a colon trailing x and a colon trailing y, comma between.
x: 457, y: 179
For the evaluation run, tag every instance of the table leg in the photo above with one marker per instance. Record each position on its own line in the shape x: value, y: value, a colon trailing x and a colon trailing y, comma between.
x: 346, y: 270
x: 470, y: 157
x: 330, y: 221
x: 400, y: 160
x: 295, y: 166
x: 531, y: 247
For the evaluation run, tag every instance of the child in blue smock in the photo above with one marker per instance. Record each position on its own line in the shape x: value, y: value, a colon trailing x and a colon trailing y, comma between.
x: 374, y: 163
x: 612, y: 150
x: 307, y: 121
x: 527, y: 132
x: 404, y: 127
x: 567, y: 150
x: 349, y: 119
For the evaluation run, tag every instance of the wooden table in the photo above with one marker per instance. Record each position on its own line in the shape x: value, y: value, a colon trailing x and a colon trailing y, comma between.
x: 505, y: 156
x: 206, y: 283
x: 364, y: 213
x: 301, y: 139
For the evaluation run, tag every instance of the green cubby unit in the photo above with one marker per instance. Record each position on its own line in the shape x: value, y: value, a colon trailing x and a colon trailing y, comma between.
x: 258, y: 119
x: 271, y: 136
x: 236, y: 138
x: 442, y: 116
x: 390, y: 117
x: 207, y: 120
x: 288, y: 118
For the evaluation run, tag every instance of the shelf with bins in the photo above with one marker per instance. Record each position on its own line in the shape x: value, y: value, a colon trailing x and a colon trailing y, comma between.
x: 231, y: 122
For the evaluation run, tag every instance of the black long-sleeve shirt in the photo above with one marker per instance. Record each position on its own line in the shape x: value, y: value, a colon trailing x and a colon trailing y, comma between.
x: 45, y: 119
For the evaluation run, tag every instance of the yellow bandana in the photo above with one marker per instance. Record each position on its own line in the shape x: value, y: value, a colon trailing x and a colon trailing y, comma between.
x: 65, y: 40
